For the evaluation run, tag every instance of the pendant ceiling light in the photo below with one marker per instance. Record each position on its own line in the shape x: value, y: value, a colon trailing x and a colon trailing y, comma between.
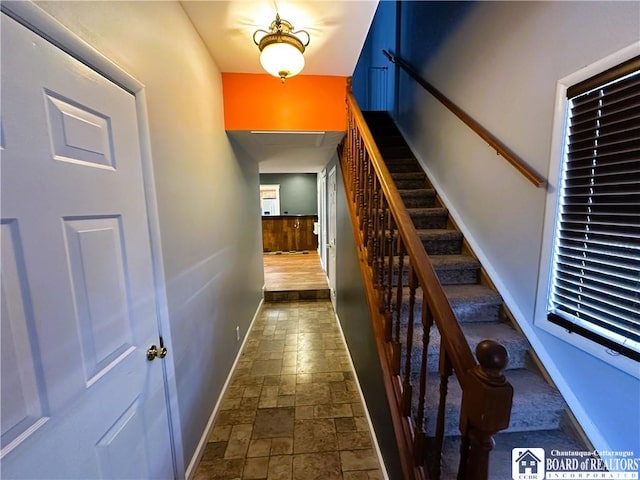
x: 281, y: 51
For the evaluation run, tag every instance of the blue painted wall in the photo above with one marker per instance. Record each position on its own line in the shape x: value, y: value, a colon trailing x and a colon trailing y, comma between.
x: 374, y: 76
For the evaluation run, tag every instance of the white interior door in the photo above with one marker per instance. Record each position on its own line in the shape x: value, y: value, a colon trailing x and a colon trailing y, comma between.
x: 79, y: 397
x: 332, y: 211
x: 322, y: 218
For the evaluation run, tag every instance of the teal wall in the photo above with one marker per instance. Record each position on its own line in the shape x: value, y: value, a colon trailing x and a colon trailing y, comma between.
x: 298, y: 192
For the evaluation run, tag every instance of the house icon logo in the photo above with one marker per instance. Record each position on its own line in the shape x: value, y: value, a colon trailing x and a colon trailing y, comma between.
x: 527, y: 463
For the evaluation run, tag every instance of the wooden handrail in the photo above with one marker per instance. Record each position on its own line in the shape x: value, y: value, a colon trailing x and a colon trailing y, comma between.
x: 455, y: 341
x: 500, y: 148
x: 385, y: 235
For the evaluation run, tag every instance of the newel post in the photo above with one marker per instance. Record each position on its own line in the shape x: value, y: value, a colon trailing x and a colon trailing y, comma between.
x: 486, y: 409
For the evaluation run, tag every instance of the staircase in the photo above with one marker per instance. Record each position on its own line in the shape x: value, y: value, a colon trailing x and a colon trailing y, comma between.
x: 539, y: 415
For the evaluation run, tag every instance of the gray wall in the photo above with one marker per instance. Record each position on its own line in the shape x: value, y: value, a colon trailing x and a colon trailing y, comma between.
x: 207, y: 192
x: 298, y: 192
x: 500, y: 62
x: 353, y: 312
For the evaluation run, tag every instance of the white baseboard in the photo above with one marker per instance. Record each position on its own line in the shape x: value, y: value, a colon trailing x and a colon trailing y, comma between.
x: 197, y: 456
x: 374, y: 438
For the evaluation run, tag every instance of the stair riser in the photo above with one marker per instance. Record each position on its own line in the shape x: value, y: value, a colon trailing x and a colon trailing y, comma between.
x: 416, y: 201
x: 466, y: 276
x: 465, y: 312
x: 517, y: 355
x: 475, y: 312
x: 385, y: 141
x: 408, y: 184
x: 520, y: 421
x: 390, y: 152
x: 429, y: 221
x: 525, y: 417
x: 410, y: 166
x: 442, y: 247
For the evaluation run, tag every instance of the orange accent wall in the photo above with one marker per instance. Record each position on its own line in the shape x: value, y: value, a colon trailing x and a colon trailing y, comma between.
x: 304, y: 102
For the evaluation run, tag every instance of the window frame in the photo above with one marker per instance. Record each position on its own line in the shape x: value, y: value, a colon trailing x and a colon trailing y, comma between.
x: 551, y: 211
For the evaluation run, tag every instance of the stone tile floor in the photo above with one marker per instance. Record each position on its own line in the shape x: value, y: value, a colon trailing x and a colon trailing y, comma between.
x: 292, y: 410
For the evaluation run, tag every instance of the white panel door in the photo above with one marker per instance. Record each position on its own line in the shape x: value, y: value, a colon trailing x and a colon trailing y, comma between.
x: 322, y: 218
x: 332, y: 211
x: 79, y: 397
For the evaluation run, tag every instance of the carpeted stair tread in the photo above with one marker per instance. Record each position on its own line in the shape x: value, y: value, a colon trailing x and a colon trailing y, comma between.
x: 453, y: 262
x: 502, y: 333
x: 389, y: 138
x: 455, y: 269
x: 451, y: 269
x: 441, y: 241
x: 395, y: 151
x: 418, y: 197
x: 410, y: 183
x: 536, y: 404
x: 470, y: 303
x: 429, y: 217
x: 405, y: 159
x: 403, y: 165
x: 449, y: 233
x: 473, y: 302
x: 408, y: 176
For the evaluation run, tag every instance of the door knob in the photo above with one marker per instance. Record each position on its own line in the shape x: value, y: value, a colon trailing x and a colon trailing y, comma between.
x: 153, y: 351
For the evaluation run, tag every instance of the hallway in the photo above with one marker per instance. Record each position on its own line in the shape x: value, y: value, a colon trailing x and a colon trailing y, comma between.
x: 293, y: 409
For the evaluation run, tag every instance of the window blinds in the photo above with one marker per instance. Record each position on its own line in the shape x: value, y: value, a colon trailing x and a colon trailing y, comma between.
x: 595, y: 288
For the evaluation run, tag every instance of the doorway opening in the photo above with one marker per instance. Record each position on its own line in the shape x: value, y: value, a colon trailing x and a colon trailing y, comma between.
x: 270, y: 199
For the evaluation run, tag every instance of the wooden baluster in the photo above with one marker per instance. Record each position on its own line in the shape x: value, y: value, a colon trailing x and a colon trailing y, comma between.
x: 354, y: 163
x: 364, y: 199
x: 347, y: 153
x: 359, y: 172
x: 382, y: 253
x: 355, y: 172
x: 406, y: 385
x: 486, y: 408
x: 388, y: 311
x: 445, y: 370
x: 382, y: 250
x: 390, y: 258
x: 464, y: 458
x: 420, y: 435
x: 370, y: 198
x: 375, y: 227
x: 397, y: 347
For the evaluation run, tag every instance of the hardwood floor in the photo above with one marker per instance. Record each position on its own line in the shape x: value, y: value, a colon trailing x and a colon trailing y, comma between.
x: 295, y: 272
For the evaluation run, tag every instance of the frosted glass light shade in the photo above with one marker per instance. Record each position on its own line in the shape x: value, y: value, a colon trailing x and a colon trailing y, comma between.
x: 281, y: 60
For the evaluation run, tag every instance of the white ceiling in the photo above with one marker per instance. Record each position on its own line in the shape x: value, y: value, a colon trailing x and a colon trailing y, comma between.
x: 337, y: 30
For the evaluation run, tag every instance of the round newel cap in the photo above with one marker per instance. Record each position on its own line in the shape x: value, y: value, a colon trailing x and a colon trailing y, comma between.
x: 492, y: 356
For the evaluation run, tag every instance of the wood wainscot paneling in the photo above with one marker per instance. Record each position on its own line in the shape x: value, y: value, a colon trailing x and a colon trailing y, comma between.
x: 288, y: 233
